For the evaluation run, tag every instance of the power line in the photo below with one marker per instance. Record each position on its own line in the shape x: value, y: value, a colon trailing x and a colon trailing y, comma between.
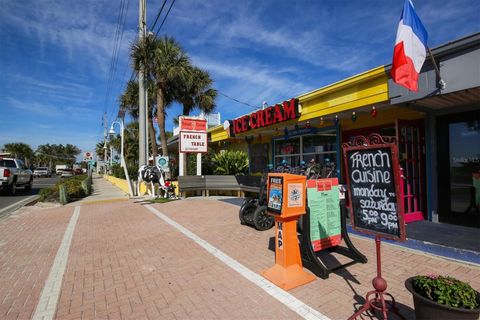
x: 236, y: 100
x: 112, y: 59
x: 165, y: 18
x: 158, y: 14
x: 134, y: 73
x: 114, y: 51
x: 120, y: 38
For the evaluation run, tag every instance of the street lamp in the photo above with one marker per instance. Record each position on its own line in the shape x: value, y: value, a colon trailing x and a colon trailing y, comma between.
x: 122, y: 159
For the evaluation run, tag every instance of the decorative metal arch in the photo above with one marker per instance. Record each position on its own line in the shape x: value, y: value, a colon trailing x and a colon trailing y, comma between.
x: 372, y: 139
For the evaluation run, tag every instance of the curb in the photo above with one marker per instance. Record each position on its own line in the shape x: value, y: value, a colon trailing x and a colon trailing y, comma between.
x: 17, y: 205
x: 451, y: 253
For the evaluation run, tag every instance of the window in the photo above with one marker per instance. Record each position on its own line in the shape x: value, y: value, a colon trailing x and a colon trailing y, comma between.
x: 322, y: 148
x: 21, y: 165
x: 7, y: 163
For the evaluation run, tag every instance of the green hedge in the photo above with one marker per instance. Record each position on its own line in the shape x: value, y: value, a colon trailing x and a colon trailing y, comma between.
x: 76, y: 187
x: 118, y: 172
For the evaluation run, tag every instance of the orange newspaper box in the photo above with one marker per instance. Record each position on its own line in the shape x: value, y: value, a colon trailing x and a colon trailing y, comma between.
x: 287, y: 202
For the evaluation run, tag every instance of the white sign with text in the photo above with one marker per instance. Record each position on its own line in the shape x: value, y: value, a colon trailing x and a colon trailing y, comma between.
x: 193, y: 142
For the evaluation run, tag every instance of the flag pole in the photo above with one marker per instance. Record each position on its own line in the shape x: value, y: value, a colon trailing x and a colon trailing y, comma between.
x: 441, y: 82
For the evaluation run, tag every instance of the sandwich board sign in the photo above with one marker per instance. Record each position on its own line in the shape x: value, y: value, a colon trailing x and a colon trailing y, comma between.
x: 373, y: 178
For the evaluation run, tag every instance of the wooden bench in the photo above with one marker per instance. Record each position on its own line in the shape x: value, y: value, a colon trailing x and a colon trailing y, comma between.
x: 208, y: 183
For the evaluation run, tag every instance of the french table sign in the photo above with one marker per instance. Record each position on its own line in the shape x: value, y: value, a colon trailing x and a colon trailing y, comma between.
x: 373, y: 182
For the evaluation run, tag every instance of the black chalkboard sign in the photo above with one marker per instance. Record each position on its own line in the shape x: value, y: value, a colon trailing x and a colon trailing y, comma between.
x: 373, y: 177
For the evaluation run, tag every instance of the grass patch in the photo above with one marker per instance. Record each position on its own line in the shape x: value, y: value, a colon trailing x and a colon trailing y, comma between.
x: 161, y: 200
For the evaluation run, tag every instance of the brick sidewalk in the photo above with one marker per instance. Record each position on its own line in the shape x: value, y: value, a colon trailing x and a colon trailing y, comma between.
x: 126, y: 263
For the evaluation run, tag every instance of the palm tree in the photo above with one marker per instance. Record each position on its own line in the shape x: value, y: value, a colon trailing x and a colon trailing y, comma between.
x: 129, y: 102
x: 44, y: 154
x: 20, y: 150
x: 100, y: 150
x: 197, y: 92
x: 167, y: 65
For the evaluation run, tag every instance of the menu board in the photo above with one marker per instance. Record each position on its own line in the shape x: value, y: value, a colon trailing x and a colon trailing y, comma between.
x: 275, y: 194
x: 371, y: 174
x: 324, y: 211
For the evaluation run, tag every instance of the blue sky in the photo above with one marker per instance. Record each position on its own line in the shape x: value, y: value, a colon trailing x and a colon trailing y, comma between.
x: 55, y: 55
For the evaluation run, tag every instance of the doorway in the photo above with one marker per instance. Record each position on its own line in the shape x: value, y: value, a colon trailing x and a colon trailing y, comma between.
x: 410, y: 136
x: 411, y: 151
x: 458, y: 143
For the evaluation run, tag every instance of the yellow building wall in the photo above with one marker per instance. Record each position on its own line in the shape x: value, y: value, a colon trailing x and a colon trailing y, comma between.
x: 120, y: 183
x: 218, y: 134
x: 383, y: 117
x: 123, y: 185
x: 360, y: 90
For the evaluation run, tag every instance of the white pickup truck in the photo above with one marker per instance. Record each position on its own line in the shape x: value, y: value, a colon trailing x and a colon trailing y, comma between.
x: 13, y: 173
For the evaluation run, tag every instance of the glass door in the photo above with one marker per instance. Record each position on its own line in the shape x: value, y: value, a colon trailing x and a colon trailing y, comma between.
x: 459, y: 168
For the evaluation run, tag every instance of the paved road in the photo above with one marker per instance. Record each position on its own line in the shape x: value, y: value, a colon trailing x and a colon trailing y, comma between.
x: 38, y: 184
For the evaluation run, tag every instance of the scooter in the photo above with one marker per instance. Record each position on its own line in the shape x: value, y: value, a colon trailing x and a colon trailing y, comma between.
x: 253, y: 211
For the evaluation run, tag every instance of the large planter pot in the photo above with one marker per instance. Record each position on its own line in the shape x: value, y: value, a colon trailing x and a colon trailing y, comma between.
x: 426, y: 309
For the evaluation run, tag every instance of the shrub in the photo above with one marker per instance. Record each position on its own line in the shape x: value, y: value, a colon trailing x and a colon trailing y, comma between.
x: 48, y: 194
x: 446, y: 290
x: 230, y: 162
x: 73, y: 187
x: 118, y: 172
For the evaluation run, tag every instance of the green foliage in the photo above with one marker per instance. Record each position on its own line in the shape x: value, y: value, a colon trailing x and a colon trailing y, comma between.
x: 230, y: 162
x: 73, y: 187
x: 161, y: 200
x: 49, y: 194
x: 20, y: 150
x: 446, y: 290
x: 118, y: 172
x: 52, y: 154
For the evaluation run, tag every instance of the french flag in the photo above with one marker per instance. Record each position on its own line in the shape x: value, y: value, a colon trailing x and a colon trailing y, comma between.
x: 410, y: 48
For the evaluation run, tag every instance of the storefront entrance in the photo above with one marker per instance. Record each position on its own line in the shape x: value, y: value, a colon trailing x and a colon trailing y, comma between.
x: 411, y: 149
x: 459, y: 168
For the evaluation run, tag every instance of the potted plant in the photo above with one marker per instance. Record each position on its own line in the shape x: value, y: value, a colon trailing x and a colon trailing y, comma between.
x: 441, y: 297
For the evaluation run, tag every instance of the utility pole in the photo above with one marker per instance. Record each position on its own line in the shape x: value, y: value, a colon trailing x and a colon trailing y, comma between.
x: 105, y: 142
x: 142, y: 152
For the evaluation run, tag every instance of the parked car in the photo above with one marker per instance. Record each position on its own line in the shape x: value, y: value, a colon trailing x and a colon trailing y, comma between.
x: 60, y: 167
x: 42, y: 172
x: 14, y: 173
x: 66, y: 173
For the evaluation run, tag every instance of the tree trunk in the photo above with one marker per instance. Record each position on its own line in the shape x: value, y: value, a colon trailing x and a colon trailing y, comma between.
x: 161, y: 120
x: 186, y: 110
x: 187, y: 106
x: 153, y: 138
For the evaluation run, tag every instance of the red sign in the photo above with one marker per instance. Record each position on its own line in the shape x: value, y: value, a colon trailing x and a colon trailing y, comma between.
x: 192, y: 124
x: 288, y: 110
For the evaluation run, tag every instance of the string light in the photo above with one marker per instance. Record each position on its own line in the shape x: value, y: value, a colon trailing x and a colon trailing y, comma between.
x: 374, y: 112
x: 354, y: 116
